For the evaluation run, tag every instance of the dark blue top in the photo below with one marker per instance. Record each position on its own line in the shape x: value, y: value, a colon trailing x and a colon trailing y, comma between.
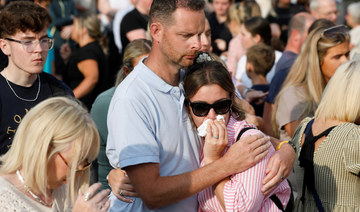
x: 259, y: 108
x: 282, y: 69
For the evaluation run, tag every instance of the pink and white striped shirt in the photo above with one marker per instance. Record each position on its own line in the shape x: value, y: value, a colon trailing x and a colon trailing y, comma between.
x: 242, y: 192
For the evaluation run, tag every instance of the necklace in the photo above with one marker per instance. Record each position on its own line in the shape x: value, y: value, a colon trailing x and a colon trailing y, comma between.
x: 30, y: 192
x: 27, y: 100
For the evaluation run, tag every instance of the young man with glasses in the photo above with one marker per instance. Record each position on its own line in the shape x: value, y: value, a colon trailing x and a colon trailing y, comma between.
x: 24, y: 40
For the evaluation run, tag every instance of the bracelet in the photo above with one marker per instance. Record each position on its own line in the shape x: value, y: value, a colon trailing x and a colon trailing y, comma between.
x: 280, y: 144
x: 246, y: 91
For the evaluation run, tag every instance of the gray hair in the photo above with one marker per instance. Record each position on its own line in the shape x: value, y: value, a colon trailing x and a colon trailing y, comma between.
x: 354, y: 10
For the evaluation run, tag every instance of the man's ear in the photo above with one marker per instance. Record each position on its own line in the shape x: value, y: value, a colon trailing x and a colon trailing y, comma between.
x: 126, y: 70
x: 4, y: 46
x: 156, y: 31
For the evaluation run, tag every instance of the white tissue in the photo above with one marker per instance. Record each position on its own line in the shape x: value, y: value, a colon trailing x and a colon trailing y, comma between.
x: 202, y: 129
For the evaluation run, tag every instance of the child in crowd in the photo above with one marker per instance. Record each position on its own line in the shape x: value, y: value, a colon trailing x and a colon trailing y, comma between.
x: 260, y: 59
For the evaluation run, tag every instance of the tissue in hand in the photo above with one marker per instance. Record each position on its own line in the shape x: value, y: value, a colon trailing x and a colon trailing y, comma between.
x: 202, y: 129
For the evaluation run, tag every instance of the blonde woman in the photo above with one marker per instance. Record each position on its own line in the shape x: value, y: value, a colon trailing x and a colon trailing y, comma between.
x: 86, y: 71
x: 323, y: 51
x: 54, y: 145
x: 328, y: 147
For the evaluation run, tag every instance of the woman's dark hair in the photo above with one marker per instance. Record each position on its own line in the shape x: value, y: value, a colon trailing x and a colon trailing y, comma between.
x: 259, y: 26
x: 209, y: 73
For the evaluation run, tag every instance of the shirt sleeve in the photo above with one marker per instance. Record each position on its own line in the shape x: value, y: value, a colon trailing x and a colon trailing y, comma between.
x: 243, y: 191
x: 291, y: 105
x: 351, y: 152
x: 131, y: 138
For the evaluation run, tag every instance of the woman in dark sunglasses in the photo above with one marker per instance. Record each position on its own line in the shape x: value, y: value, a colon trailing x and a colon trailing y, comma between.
x: 54, y: 145
x: 209, y: 92
x: 324, y: 50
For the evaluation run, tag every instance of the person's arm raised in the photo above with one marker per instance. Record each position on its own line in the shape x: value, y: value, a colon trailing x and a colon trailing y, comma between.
x: 158, y: 191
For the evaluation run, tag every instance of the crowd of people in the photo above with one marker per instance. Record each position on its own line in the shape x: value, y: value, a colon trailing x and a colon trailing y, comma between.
x: 179, y: 105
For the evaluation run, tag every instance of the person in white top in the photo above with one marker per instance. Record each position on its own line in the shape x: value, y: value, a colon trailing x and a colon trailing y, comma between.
x: 254, y: 30
x: 54, y: 145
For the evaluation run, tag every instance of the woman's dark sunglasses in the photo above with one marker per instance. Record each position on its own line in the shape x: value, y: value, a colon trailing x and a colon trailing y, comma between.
x: 202, y: 109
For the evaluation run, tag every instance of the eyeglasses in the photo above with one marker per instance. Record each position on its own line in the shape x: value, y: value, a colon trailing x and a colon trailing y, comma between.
x: 331, y: 32
x: 79, y: 169
x: 29, y: 45
x: 202, y: 109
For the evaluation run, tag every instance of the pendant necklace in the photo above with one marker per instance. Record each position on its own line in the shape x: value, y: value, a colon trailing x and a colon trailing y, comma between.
x: 30, y: 192
x: 27, y: 100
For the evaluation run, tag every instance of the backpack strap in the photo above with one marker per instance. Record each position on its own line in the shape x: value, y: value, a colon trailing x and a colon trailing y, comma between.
x: 242, y: 132
x: 277, y: 202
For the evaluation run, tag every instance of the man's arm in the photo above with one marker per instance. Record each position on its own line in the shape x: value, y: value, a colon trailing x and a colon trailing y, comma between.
x: 157, y: 191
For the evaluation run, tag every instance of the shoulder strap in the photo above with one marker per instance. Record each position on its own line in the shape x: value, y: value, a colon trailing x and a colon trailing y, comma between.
x: 306, y: 159
x: 242, y: 132
x: 277, y: 202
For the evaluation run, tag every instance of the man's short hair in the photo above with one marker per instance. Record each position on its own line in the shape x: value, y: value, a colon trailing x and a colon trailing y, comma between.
x: 162, y: 10
x: 23, y: 16
x: 298, y: 23
x: 262, y: 57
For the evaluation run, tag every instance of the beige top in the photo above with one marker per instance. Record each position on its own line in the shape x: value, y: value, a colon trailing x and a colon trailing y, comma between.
x: 11, y: 199
x: 336, y: 168
x: 291, y: 105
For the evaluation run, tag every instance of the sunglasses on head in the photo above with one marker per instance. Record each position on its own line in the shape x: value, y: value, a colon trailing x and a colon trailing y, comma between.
x: 202, y: 109
x: 331, y: 32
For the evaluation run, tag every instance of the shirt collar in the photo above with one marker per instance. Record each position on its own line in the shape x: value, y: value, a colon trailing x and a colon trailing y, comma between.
x: 154, y: 80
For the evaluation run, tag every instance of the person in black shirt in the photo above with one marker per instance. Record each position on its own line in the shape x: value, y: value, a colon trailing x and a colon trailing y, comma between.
x: 134, y: 24
x: 220, y: 33
x: 23, y: 84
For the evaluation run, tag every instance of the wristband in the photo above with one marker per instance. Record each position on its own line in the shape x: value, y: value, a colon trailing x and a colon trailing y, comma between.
x: 280, y: 144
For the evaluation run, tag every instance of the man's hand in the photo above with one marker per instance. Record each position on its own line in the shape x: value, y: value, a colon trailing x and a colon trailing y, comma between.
x: 246, y: 152
x: 121, y: 186
x: 279, y: 167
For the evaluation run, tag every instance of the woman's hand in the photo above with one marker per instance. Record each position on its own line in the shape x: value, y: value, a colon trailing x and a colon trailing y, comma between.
x: 66, y: 32
x: 278, y: 168
x: 216, y: 141
x: 92, y: 201
x: 65, y: 52
x: 121, y: 186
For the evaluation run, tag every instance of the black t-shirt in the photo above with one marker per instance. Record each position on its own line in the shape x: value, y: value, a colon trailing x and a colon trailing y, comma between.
x: 73, y: 76
x: 132, y: 20
x: 218, y: 31
x: 13, y: 109
x: 3, y: 60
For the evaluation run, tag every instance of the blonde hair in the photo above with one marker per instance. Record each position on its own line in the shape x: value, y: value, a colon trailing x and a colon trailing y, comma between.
x: 341, y: 96
x: 92, y: 24
x: 52, y: 126
x: 241, y: 11
x: 133, y: 50
x: 306, y: 72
